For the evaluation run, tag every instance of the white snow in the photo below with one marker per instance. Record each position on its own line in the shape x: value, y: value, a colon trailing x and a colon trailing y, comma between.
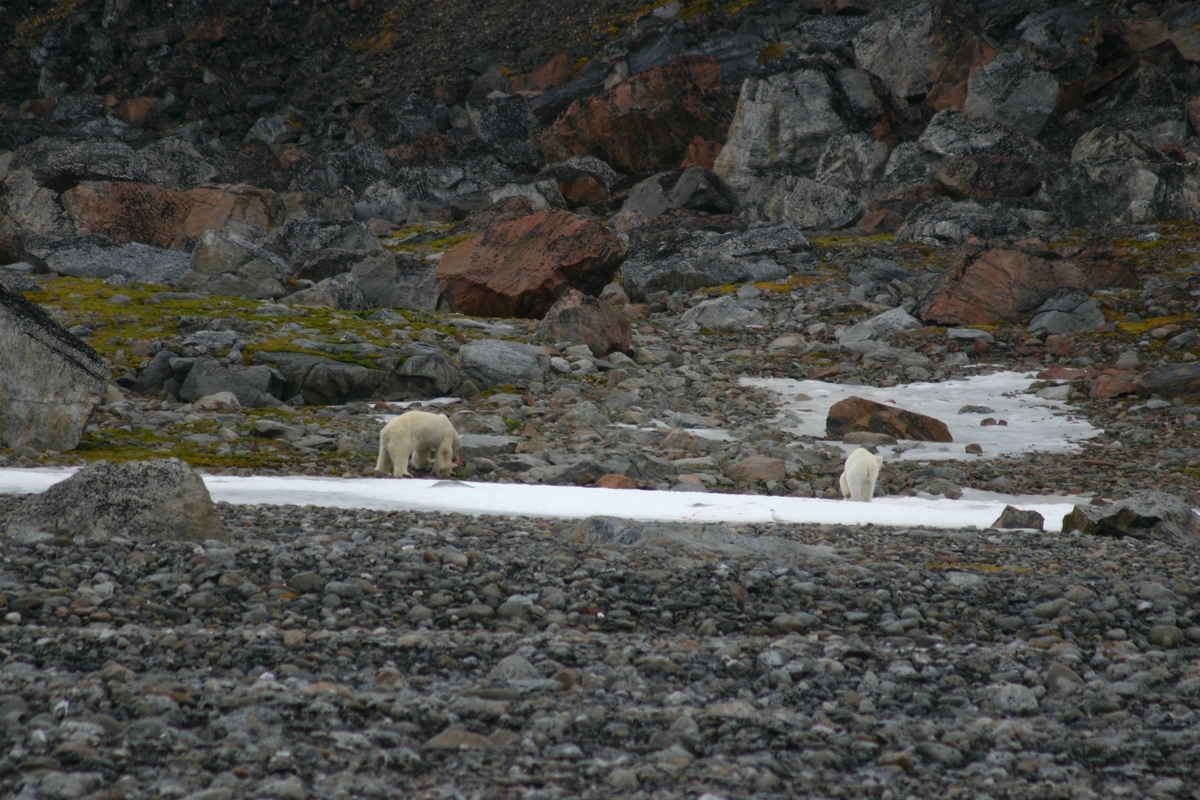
x: 1034, y: 424
x: 570, y: 502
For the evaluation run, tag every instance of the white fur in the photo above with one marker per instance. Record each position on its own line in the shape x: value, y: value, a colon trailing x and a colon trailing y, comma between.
x: 417, y: 435
x: 858, y: 479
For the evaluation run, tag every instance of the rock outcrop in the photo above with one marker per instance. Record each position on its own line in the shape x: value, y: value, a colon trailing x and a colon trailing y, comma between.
x: 859, y: 414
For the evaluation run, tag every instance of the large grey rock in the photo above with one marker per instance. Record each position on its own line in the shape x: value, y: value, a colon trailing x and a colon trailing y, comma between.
x: 942, y: 221
x: 172, y: 162
x: 763, y: 239
x: 494, y: 362
x: 1013, y: 91
x: 895, y: 45
x: 954, y: 133
x: 783, y: 121
x: 1145, y: 515
x: 426, y: 372
x: 396, y: 280
x: 851, y: 158
x: 693, y: 188
x: 298, y: 237
x: 504, y: 124
x: 148, y: 501
x: 49, y: 380
x: 96, y: 256
x: 318, y: 380
x: 1066, y: 311
x: 880, y: 327
x: 722, y: 314
x: 228, y: 264
x: 694, y: 266
x: 340, y: 291
x: 1124, y: 191
x: 807, y: 204
x: 207, y: 377
x: 30, y: 207
x: 1171, y: 380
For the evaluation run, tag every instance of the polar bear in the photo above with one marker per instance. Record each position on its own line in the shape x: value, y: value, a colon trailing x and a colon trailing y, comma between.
x: 858, y: 479
x: 416, y: 435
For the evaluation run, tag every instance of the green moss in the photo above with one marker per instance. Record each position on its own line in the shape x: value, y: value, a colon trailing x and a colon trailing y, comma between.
x: 1147, y: 325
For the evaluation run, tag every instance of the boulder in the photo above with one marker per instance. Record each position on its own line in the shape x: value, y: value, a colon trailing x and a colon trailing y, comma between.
x: 581, y: 319
x: 645, y: 124
x: 426, y: 372
x: 1013, y: 517
x: 881, y: 327
x: 942, y: 221
x: 954, y: 133
x: 207, y: 377
x: 1170, y: 380
x: 541, y: 194
x: 214, y: 206
x: 1064, y: 312
x: 520, y: 268
x: 318, y: 380
x: 990, y: 281
x: 147, y: 501
x: 1127, y: 191
x: 504, y: 124
x: 581, y: 180
x: 1145, y: 515
x: 309, y: 207
x: 757, y: 468
x: 296, y: 238
x: 494, y: 362
x: 49, y: 380
x: 895, y: 45
x: 693, y: 188
x: 1013, y: 91
x: 858, y: 414
x: 228, y: 264
x: 851, y: 158
x: 722, y: 314
x: 805, y: 203
x: 340, y: 291
x: 397, y: 280
x: 170, y: 162
x: 989, y: 177
x: 128, y: 212
x: 96, y: 256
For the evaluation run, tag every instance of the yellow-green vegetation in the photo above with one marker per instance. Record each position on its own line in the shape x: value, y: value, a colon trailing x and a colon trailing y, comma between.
x: 1147, y: 325
x: 772, y: 52
x: 29, y: 31
x: 436, y: 246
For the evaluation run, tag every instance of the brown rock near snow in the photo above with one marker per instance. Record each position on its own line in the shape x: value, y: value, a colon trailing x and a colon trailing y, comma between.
x: 858, y: 414
x: 990, y: 281
x: 520, y: 268
x: 758, y: 468
x: 647, y: 123
x: 581, y: 319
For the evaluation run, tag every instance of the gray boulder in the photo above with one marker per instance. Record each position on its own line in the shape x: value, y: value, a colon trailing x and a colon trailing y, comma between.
x: 807, y: 204
x: 397, y: 280
x: 494, y: 362
x: 1066, y: 311
x: 152, y: 378
x: 148, y: 501
x: 895, y: 45
x: 942, y: 221
x: 207, y: 377
x: 763, y: 238
x: 722, y: 314
x: 426, y: 372
x: 692, y: 188
x: 298, y: 237
x: 228, y: 264
x: 1013, y: 91
x: 49, y: 380
x: 881, y: 327
x: 96, y: 256
x: 1123, y: 191
x: 1145, y: 515
x: 318, y: 380
x: 954, y: 133
x: 851, y: 158
x: 696, y: 265
x: 340, y: 291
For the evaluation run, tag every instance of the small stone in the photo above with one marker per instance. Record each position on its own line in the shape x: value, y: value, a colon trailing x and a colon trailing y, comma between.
x: 1166, y: 636
x: 1013, y: 517
x: 974, y: 449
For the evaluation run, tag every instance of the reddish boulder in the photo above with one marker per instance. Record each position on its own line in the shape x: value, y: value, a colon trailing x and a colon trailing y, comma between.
x: 757, y: 468
x: 646, y: 123
x: 520, y: 268
x: 615, y: 481
x: 858, y: 414
x: 989, y: 177
x: 580, y: 319
x: 990, y: 281
x: 213, y: 206
x: 128, y: 211
x: 554, y: 72
x: 1107, y: 386
x: 701, y: 153
x: 882, y: 221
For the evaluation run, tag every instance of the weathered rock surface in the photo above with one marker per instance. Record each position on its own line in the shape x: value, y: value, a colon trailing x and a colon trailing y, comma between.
x: 208, y: 378
x: 805, y: 203
x: 228, y: 264
x: 493, y: 362
x: 1171, y: 380
x: 581, y: 319
x: 1064, y: 312
x: 149, y: 501
x: 1145, y: 515
x: 49, y: 380
x: 942, y: 221
x: 98, y: 256
x: 858, y: 414
x: 693, y: 188
x: 520, y: 268
x: 1013, y: 91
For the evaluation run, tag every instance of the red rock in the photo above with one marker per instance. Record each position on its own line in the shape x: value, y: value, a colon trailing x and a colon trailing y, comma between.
x: 882, y: 221
x: 1061, y: 373
x: 1059, y: 344
x: 859, y: 414
x: 580, y: 319
x: 637, y: 311
x: 1107, y: 386
x: 990, y: 281
x: 136, y: 109
x: 615, y: 481
x: 128, y: 211
x: 213, y: 206
x: 554, y: 72
x: 691, y: 480
x: 701, y: 153
x: 757, y: 468
x: 205, y: 29
x: 646, y: 123
x: 520, y: 268
x: 950, y: 90
x: 582, y: 190
x: 614, y: 295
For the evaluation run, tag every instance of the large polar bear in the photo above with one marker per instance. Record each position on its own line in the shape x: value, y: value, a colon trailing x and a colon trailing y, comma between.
x: 416, y: 435
x: 858, y: 479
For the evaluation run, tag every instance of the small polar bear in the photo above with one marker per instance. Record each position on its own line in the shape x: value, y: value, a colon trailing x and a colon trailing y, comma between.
x: 417, y: 435
x: 858, y: 479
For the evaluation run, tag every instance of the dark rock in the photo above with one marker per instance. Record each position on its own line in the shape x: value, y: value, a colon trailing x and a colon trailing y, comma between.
x: 96, y: 256
x: 1064, y: 312
x: 858, y: 414
x: 1013, y: 517
x: 207, y: 377
x: 989, y: 177
x: 1170, y: 380
x: 580, y: 319
x: 1145, y: 515
x: 694, y: 188
x: 942, y: 221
